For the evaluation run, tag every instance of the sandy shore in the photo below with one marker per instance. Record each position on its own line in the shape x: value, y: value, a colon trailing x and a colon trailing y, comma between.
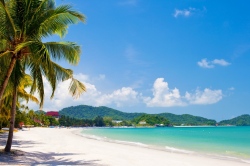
x: 53, y: 146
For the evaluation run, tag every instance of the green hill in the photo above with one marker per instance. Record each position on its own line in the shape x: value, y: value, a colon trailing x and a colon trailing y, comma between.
x: 89, y: 112
x: 243, y: 120
x: 187, y: 119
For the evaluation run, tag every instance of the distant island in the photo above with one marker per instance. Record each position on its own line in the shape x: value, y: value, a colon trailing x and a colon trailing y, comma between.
x: 90, y: 112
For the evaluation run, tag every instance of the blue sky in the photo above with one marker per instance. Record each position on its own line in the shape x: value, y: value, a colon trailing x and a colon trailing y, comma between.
x: 182, y: 57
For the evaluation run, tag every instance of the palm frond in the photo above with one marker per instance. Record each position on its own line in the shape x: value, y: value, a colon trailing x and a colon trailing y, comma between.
x: 7, y: 52
x: 8, y: 18
x: 76, y: 88
x: 67, y: 50
x: 56, y: 21
x: 24, y: 95
x: 37, y: 85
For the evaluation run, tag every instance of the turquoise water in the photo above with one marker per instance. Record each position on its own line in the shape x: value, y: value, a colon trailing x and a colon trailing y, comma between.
x: 223, y: 141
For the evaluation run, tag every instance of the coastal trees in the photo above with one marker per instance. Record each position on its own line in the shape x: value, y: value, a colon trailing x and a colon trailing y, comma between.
x: 243, y: 120
x: 108, y: 121
x: 23, y: 26
x: 151, y: 120
x: 99, y: 122
x: 69, y: 121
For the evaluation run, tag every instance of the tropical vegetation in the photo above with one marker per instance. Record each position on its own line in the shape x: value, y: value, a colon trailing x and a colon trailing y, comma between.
x: 243, y: 120
x: 24, y: 24
x: 90, y: 112
x: 150, y: 120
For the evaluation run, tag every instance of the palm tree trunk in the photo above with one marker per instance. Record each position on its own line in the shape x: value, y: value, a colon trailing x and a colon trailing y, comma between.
x: 12, y: 121
x: 7, y: 76
x: 1, y: 124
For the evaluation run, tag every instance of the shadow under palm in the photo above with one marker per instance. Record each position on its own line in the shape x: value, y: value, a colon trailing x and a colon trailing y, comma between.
x: 18, y: 157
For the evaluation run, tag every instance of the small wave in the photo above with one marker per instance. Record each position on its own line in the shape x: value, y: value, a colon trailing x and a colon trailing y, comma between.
x: 229, y: 158
x: 131, y: 143
x: 111, y: 140
x: 171, y: 149
x: 93, y: 137
x: 246, y: 161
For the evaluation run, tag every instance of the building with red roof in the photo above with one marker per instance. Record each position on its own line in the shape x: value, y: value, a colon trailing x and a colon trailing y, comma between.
x: 54, y: 114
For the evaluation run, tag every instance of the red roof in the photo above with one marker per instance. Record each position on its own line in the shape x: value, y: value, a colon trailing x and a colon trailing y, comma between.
x: 52, y: 113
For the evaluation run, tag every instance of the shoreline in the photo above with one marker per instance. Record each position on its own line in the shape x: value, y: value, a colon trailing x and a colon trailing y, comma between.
x: 166, y: 149
x: 63, y: 146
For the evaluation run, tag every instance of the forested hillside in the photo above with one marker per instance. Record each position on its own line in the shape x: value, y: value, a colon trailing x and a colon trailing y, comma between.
x: 89, y: 112
x: 243, y: 120
x: 187, y: 119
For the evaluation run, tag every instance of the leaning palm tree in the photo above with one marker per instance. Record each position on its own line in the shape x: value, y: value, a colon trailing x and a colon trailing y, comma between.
x: 23, y: 26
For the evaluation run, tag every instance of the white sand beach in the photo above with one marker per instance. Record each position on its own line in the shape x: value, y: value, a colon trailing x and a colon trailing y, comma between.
x: 53, y: 146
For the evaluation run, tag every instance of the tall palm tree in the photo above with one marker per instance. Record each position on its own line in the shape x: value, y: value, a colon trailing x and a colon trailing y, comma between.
x: 23, y: 26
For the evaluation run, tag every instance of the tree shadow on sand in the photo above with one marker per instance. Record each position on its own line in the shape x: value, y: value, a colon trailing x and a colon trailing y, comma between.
x: 18, y: 157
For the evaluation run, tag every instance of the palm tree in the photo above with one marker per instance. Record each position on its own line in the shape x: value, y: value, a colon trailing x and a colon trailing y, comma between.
x: 23, y: 26
x: 10, y: 102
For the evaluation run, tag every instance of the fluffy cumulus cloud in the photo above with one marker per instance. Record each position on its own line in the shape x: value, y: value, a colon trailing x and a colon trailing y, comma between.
x: 207, y: 96
x: 220, y: 62
x: 163, y: 96
x: 121, y: 97
x: 204, y: 63
x: 124, y: 96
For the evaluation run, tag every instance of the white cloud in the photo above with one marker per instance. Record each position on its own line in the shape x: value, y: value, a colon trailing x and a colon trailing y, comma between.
x: 220, y: 62
x: 204, y: 63
x: 82, y: 77
x: 163, y: 96
x: 207, y: 96
x: 185, y: 12
x: 231, y: 88
x: 188, y: 12
x: 124, y: 96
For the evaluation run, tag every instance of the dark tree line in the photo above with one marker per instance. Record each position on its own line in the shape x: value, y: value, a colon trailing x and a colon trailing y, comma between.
x: 68, y: 121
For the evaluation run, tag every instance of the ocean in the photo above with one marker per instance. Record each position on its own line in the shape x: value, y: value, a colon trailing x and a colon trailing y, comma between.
x: 225, y: 142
